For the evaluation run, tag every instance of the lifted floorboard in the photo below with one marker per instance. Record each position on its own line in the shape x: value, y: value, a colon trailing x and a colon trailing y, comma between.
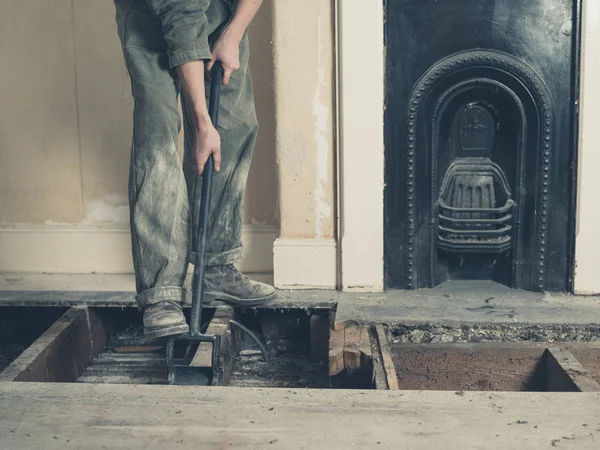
x: 62, y: 416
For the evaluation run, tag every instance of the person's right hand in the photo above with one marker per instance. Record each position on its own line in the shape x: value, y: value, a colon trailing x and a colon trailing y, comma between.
x: 206, y: 142
x: 227, y: 52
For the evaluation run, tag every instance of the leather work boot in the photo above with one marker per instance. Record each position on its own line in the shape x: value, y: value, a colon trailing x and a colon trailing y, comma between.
x: 227, y: 284
x: 164, y: 319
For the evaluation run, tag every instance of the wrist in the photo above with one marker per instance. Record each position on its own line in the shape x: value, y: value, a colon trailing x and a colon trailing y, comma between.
x: 235, y: 31
x: 202, y: 120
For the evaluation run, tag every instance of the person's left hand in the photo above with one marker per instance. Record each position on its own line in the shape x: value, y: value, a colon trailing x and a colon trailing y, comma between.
x: 227, y: 52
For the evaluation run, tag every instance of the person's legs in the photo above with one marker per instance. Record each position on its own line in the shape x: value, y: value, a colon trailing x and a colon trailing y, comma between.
x: 159, y: 211
x: 238, y: 128
x: 159, y: 204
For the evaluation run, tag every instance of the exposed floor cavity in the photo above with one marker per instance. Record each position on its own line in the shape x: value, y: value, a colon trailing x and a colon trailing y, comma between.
x: 20, y: 327
x: 470, y: 367
x: 286, y: 371
x: 499, y: 366
x: 129, y: 358
x: 304, y: 349
x: 287, y: 337
x: 110, y: 367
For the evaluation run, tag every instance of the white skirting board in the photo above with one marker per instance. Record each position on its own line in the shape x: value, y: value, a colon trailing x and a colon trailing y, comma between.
x: 305, y: 263
x: 89, y: 249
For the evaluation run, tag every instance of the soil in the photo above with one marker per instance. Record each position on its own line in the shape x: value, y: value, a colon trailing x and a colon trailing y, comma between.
x: 286, y: 370
x: 436, y: 334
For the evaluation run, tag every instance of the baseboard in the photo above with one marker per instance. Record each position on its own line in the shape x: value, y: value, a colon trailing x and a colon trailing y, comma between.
x: 586, y: 280
x: 305, y: 263
x: 92, y: 249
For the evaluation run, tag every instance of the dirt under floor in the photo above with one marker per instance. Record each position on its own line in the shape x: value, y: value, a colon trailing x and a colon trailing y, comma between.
x: 444, y: 334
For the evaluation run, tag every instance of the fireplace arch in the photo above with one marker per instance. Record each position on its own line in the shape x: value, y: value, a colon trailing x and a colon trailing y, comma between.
x: 523, y: 152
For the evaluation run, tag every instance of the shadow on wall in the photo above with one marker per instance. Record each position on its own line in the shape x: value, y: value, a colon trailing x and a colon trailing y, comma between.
x: 262, y: 192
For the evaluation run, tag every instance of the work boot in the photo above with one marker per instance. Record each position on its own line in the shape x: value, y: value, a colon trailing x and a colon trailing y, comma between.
x: 164, y: 319
x: 227, y: 284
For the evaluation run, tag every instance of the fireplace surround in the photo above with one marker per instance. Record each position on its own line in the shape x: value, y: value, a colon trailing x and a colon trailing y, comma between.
x: 481, y: 142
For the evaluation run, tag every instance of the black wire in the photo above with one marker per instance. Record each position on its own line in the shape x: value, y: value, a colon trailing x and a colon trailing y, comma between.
x: 262, y: 348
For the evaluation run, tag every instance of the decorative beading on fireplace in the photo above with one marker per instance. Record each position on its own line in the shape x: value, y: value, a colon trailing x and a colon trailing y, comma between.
x: 473, y: 209
x: 481, y: 137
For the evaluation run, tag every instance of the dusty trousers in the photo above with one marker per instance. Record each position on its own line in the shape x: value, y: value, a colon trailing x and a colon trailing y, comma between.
x: 164, y: 192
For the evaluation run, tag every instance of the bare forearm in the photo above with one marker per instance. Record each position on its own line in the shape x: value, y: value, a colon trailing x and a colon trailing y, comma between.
x: 245, y: 10
x: 191, y: 76
x: 227, y: 48
x: 206, y: 138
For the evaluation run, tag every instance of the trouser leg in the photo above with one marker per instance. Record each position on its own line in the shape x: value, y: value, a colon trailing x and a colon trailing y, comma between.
x: 159, y: 209
x: 160, y: 192
x: 238, y: 128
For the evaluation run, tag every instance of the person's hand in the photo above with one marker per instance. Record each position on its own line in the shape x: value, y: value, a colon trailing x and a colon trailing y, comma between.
x: 227, y: 52
x: 207, y: 142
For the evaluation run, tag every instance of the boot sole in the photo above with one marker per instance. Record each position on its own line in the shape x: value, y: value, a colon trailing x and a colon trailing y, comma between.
x: 161, y: 332
x: 238, y: 301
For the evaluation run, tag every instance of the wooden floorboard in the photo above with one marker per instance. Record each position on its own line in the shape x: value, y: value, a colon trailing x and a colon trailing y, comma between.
x: 386, y: 358
x: 64, y: 416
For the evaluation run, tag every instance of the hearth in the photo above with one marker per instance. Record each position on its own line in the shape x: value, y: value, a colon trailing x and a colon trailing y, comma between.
x: 481, y: 115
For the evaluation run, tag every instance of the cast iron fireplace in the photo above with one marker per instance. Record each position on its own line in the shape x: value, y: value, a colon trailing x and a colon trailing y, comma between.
x: 481, y: 141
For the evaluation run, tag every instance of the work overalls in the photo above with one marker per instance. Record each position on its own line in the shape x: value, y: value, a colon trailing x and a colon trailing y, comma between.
x: 157, y: 36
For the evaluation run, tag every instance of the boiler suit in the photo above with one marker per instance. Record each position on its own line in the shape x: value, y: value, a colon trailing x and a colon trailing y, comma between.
x: 157, y: 36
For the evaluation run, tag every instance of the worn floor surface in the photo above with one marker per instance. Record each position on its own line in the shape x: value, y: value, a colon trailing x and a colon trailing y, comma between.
x: 454, y: 302
x: 80, y: 416
x: 60, y: 416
